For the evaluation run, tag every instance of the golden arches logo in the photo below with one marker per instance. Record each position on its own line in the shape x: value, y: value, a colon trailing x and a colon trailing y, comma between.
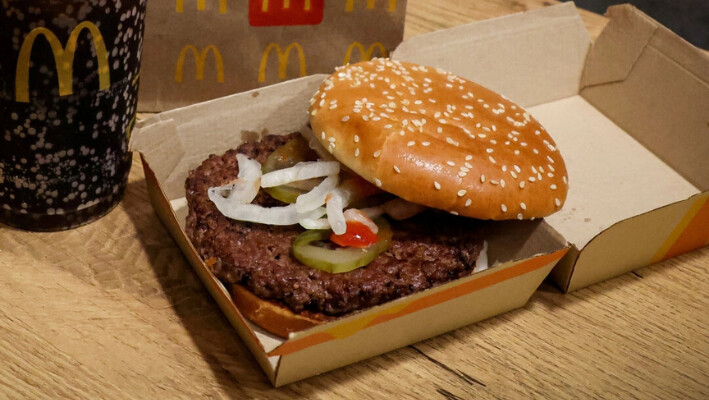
x: 283, y: 57
x: 349, y: 6
x: 63, y: 58
x: 200, y: 58
x: 201, y: 5
x: 365, y: 54
x: 286, y: 5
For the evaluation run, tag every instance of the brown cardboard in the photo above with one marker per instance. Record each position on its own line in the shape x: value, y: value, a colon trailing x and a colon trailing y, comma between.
x: 622, y: 195
x: 196, y: 50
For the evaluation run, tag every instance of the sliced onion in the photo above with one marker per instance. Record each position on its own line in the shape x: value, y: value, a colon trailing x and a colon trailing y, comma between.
x: 335, y: 215
x: 299, y: 172
x: 400, y: 209
x: 481, y: 264
x: 355, y: 215
x: 316, y: 197
x: 287, y: 215
x: 373, y: 212
x: 245, y: 188
x: 315, y: 223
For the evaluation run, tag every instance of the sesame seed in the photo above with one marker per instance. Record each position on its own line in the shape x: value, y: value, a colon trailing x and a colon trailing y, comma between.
x: 462, y: 174
x: 539, y: 176
x: 521, y: 184
x: 388, y: 126
x: 425, y: 143
x: 532, y: 179
x: 462, y: 192
x: 514, y: 174
x: 469, y: 165
x: 331, y: 139
x: 523, y: 206
x: 377, y: 182
x: 437, y: 185
x: 557, y: 202
x: 504, y: 208
x: 494, y: 182
x: 356, y: 138
x: 565, y: 180
x: 551, y: 160
x: 454, y: 213
x: 357, y: 152
x: 345, y: 118
x: 402, y: 132
x: 365, y: 117
x: 537, y: 132
x: 468, y: 158
x: 322, y: 135
x: 468, y: 202
x: 502, y: 182
x: 520, y: 216
x: 465, y: 169
x: 451, y: 163
x: 504, y: 168
x: 439, y: 130
x: 492, y: 160
x: 411, y: 143
x: 535, y: 151
x: 482, y: 178
x: 377, y: 153
x: 398, y: 171
x: 516, y: 152
x: 553, y: 186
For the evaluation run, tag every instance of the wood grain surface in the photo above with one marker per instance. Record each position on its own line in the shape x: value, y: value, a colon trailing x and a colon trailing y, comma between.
x: 112, y: 310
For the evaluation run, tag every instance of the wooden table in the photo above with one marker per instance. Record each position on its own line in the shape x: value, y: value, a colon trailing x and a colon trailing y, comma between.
x: 112, y: 310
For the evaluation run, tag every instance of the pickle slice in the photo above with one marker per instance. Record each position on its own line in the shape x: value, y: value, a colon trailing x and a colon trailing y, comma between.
x: 286, y: 156
x: 341, y: 259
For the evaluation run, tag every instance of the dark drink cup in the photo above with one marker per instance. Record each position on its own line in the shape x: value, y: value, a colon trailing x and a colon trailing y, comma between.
x: 68, y: 94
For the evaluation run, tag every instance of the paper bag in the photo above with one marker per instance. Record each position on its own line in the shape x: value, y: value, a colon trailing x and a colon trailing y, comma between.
x: 196, y: 50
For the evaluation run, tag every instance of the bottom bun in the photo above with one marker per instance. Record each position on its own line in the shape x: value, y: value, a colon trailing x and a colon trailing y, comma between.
x: 273, y: 316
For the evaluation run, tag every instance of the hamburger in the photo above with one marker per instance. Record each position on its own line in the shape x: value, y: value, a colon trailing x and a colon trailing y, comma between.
x: 380, y: 197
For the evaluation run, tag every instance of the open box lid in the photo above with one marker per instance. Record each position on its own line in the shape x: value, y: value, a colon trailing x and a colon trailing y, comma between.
x: 628, y: 113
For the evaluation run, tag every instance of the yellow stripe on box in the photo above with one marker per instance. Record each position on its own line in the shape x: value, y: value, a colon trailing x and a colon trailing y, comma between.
x: 690, y: 233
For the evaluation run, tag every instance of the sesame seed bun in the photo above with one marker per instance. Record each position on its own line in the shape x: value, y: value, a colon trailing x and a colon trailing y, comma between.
x: 433, y: 138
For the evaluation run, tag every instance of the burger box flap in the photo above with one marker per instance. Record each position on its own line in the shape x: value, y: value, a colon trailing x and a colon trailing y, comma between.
x: 628, y: 113
x: 520, y: 253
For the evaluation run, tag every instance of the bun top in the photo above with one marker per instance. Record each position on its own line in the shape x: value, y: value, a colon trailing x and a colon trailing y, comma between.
x: 433, y: 138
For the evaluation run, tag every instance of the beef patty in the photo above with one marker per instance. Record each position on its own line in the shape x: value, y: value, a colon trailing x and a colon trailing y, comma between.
x: 426, y: 250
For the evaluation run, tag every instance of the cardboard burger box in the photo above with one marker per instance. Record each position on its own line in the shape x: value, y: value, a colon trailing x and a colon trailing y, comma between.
x: 628, y: 114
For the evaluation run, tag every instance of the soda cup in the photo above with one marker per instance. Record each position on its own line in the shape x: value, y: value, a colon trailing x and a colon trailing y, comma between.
x: 68, y: 94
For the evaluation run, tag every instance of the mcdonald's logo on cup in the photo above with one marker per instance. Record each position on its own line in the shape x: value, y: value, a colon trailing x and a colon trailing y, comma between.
x: 63, y: 58
x: 283, y: 57
x: 285, y: 12
x: 349, y: 5
x: 200, y: 58
x: 201, y: 5
x: 365, y: 55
